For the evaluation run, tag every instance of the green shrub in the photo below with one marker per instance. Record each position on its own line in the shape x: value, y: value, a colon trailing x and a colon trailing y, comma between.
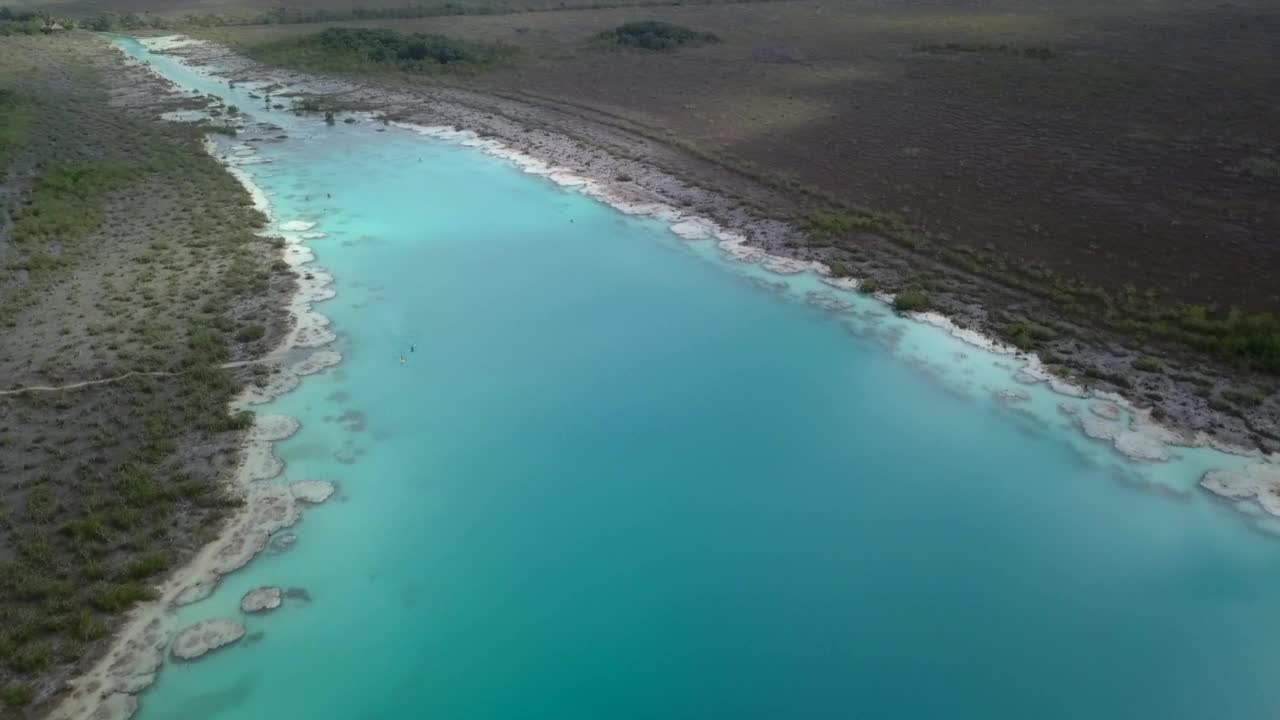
x: 18, y: 695
x: 33, y: 657
x: 1147, y: 364
x: 147, y: 565
x: 911, y: 301
x: 1244, y: 398
x: 1036, y: 52
x: 249, y: 333
x: 346, y: 49
x: 1261, y: 167
x: 656, y: 35
x: 1025, y: 334
x: 118, y: 597
x: 88, y: 628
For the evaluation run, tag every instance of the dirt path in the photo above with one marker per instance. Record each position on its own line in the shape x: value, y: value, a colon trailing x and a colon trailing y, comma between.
x: 117, y: 378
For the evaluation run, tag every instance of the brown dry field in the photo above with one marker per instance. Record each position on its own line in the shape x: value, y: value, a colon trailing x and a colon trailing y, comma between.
x: 1146, y: 152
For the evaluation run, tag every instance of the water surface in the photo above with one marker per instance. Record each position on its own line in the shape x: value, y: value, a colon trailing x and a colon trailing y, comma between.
x: 620, y: 476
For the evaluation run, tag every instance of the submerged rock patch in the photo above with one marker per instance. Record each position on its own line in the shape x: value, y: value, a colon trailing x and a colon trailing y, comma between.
x: 1259, y: 482
x: 312, y: 491
x: 205, y: 637
x: 260, y: 599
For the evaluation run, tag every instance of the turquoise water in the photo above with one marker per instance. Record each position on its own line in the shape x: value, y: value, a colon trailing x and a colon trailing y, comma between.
x: 622, y: 476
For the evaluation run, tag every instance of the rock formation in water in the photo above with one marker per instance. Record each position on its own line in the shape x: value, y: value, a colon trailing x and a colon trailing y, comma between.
x: 260, y: 599
x: 205, y: 637
x: 312, y: 491
x: 1259, y: 482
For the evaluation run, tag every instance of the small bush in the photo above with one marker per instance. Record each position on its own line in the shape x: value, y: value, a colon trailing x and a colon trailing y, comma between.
x: 350, y: 48
x: 18, y: 695
x: 249, y: 333
x: 655, y: 35
x: 911, y: 301
x: 1260, y: 167
x: 1244, y: 398
x: 227, y: 423
x: 1147, y: 364
x: 118, y: 597
x: 1036, y: 52
x: 146, y: 566
x: 31, y: 658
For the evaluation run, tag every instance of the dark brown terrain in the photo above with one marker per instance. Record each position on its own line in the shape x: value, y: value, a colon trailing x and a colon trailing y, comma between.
x: 1144, y: 151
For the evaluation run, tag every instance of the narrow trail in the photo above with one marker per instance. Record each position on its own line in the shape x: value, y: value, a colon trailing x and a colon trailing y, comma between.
x: 117, y: 378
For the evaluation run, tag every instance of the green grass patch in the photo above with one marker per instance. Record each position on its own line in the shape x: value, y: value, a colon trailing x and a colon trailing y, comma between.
x: 18, y: 695
x: 249, y: 333
x: 66, y: 201
x: 118, y: 597
x: 17, y: 112
x: 1260, y: 167
x: 1027, y: 334
x: 1148, y: 365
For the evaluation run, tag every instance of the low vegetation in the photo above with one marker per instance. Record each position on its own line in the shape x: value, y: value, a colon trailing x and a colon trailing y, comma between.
x: 19, y: 22
x: 16, y: 110
x: 1249, y: 340
x: 911, y: 300
x: 951, y: 48
x: 125, y: 248
x: 1261, y: 167
x: 355, y: 49
x: 656, y: 35
x: 294, y: 15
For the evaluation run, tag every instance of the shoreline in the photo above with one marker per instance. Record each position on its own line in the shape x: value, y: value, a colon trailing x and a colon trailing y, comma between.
x: 137, y: 650
x: 738, y: 230
x: 109, y: 689
x: 1185, y: 393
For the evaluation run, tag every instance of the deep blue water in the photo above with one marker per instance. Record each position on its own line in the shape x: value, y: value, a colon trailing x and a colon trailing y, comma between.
x: 620, y: 478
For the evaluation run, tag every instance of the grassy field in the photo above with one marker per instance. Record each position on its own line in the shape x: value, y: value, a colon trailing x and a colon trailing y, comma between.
x: 124, y: 248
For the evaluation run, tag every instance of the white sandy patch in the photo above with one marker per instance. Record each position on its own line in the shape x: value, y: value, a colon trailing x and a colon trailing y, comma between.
x: 167, y: 42
x: 1259, y: 482
x: 206, y: 636
x: 261, y: 599
x: 312, y: 491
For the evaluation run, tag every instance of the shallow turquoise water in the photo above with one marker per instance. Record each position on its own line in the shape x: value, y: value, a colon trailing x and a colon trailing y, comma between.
x: 621, y: 477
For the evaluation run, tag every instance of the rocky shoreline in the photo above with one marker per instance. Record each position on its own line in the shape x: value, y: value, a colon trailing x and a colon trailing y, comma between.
x: 107, y: 691
x: 641, y: 171
x: 640, y: 176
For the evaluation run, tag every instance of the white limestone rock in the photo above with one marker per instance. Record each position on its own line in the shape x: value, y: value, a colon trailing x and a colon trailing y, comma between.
x: 1142, y: 447
x: 312, y: 491
x: 1105, y: 410
x: 205, y: 637
x: 1259, y: 482
x: 260, y: 599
